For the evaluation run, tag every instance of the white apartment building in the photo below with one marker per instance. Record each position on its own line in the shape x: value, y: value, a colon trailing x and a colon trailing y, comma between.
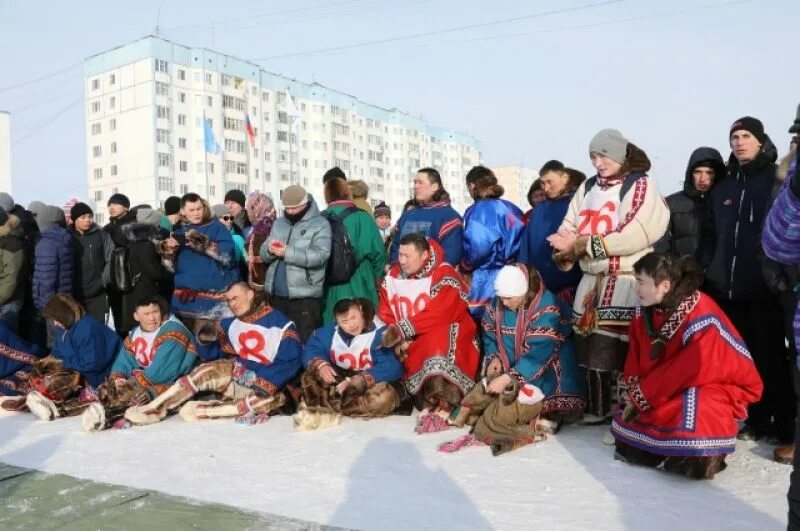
x: 5, y: 152
x: 145, y: 108
x: 516, y: 180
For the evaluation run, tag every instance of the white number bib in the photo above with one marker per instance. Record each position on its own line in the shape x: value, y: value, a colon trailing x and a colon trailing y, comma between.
x: 408, y: 297
x: 255, y: 342
x: 355, y: 357
x: 599, y: 212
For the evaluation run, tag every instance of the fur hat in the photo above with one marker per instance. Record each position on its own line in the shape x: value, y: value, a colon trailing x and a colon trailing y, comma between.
x: 751, y: 125
x: 511, y: 281
x: 172, y: 205
x: 611, y: 143
x: 78, y: 210
x: 337, y: 190
x: 359, y: 189
x: 148, y: 216
x: 64, y: 309
x: 294, y: 196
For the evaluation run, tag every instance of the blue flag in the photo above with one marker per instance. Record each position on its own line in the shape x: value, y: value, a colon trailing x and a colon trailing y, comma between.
x: 208, y: 136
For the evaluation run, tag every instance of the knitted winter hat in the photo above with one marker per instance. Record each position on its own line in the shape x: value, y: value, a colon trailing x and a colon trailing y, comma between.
x: 237, y: 196
x: 511, y: 281
x: 172, y: 205
x: 148, y: 216
x: 35, y: 208
x: 6, y: 202
x: 78, y: 210
x: 751, y: 125
x: 611, y: 143
x: 294, y: 196
x: 220, y: 210
x: 119, y: 199
x: 382, y: 209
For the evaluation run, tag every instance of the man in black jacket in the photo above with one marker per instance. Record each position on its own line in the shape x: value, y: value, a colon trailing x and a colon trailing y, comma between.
x: 92, y: 249
x: 689, y: 208
x: 729, y: 253
x: 119, y: 215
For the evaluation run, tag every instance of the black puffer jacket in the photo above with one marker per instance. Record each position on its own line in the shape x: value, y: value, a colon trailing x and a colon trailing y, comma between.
x: 729, y: 246
x: 688, y: 208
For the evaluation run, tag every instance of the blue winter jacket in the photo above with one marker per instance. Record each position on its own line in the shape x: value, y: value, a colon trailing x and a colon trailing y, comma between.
x: 88, y: 347
x: 535, y: 250
x: 438, y: 221
x: 492, y: 231
x: 53, y: 265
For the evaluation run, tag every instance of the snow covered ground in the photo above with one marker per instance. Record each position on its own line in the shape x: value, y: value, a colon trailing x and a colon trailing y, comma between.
x: 380, y: 475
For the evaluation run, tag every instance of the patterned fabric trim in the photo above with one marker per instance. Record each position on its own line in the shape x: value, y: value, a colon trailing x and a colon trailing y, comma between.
x: 678, y: 316
x: 690, y: 409
x: 17, y: 355
x: 598, y: 247
x: 14, y: 386
x: 406, y: 328
x: 224, y: 342
x: 637, y: 396
x: 265, y: 385
x: 260, y: 312
x: 190, y: 294
x: 448, y: 227
x: 187, y: 383
x: 709, y: 320
x: 290, y: 334
x: 516, y: 375
x: 639, y: 193
x: 563, y: 403
x: 440, y: 366
x: 173, y: 335
x: 674, y: 446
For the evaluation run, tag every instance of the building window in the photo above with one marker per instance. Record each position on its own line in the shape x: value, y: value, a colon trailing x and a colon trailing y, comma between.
x: 98, y: 173
x: 98, y: 195
x: 183, y: 165
x: 113, y: 147
x: 283, y: 136
x: 112, y: 79
x: 95, y: 106
x: 112, y: 102
x: 182, y: 143
x: 212, y: 190
x: 210, y: 101
x: 209, y: 79
x: 182, y: 74
x: 162, y: 89
x: 162, y: 136
x: 163, y: 112
x: 211, y: 167
x: 161, y: 66
x: 254, y: 91
x: 233, y: 124
x: 96, y: 129
x: 113, y: 170
x: 184, y: 189
x: 225, y: 80
x: 267, y: 176
x: 163, y: 160
x: 97, y: 151
x: 166, y: 184
x: 267, y: 156
x: 266, y: 116
x: 95, y: 84
x: 181, y: 119
x: 112, y: 124
x: 182, y: 97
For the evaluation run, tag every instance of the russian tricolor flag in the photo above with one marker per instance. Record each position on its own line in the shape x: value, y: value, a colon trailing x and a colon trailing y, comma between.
x: 251, y: 133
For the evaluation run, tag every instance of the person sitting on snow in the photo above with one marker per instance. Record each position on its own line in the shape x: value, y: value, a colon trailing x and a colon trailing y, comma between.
x: 248, y: 358
x: 424, y: 302
x: 64, y: 383
x: 156, y: 353
x: 348, y: 370
x: 17, y: 358
x: 688, y: 377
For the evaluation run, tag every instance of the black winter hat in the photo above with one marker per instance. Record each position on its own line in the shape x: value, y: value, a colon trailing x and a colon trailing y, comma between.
x: 78, y: 210
x: 333, y: 173
x: 751, y: 125
x: 172, y: 205
x: 119, y: 199
x: 237, y: 196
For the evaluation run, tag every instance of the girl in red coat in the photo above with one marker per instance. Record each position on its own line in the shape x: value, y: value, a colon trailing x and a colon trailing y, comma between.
x: 688, y: 376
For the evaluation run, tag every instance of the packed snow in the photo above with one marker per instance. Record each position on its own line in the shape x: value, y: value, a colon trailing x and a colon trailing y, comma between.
x: 379, y: 474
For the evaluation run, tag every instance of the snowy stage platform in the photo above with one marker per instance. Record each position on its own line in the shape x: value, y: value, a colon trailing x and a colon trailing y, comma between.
x: 380, y: 475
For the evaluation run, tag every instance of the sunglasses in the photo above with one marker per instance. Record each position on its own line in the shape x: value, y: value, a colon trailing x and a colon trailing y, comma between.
x: 226, y: 218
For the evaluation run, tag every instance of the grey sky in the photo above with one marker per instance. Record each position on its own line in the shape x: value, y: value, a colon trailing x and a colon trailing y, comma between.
x: 671, y: 79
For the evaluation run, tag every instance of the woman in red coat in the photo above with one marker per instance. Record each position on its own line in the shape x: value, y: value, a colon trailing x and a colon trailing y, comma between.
x: 688, y: 376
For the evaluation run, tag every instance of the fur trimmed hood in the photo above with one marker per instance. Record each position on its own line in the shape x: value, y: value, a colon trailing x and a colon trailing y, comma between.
x: 636, y: 160
x: 64, y: 309
x: 12, y: 226
x: 490, y: 191
x: 337, y: 190
x: 359, y: 189
x: 139, y: 232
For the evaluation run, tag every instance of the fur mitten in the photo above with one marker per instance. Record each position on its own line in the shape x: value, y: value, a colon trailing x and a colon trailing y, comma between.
x: 197, y: 241
x: 392, y: 336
